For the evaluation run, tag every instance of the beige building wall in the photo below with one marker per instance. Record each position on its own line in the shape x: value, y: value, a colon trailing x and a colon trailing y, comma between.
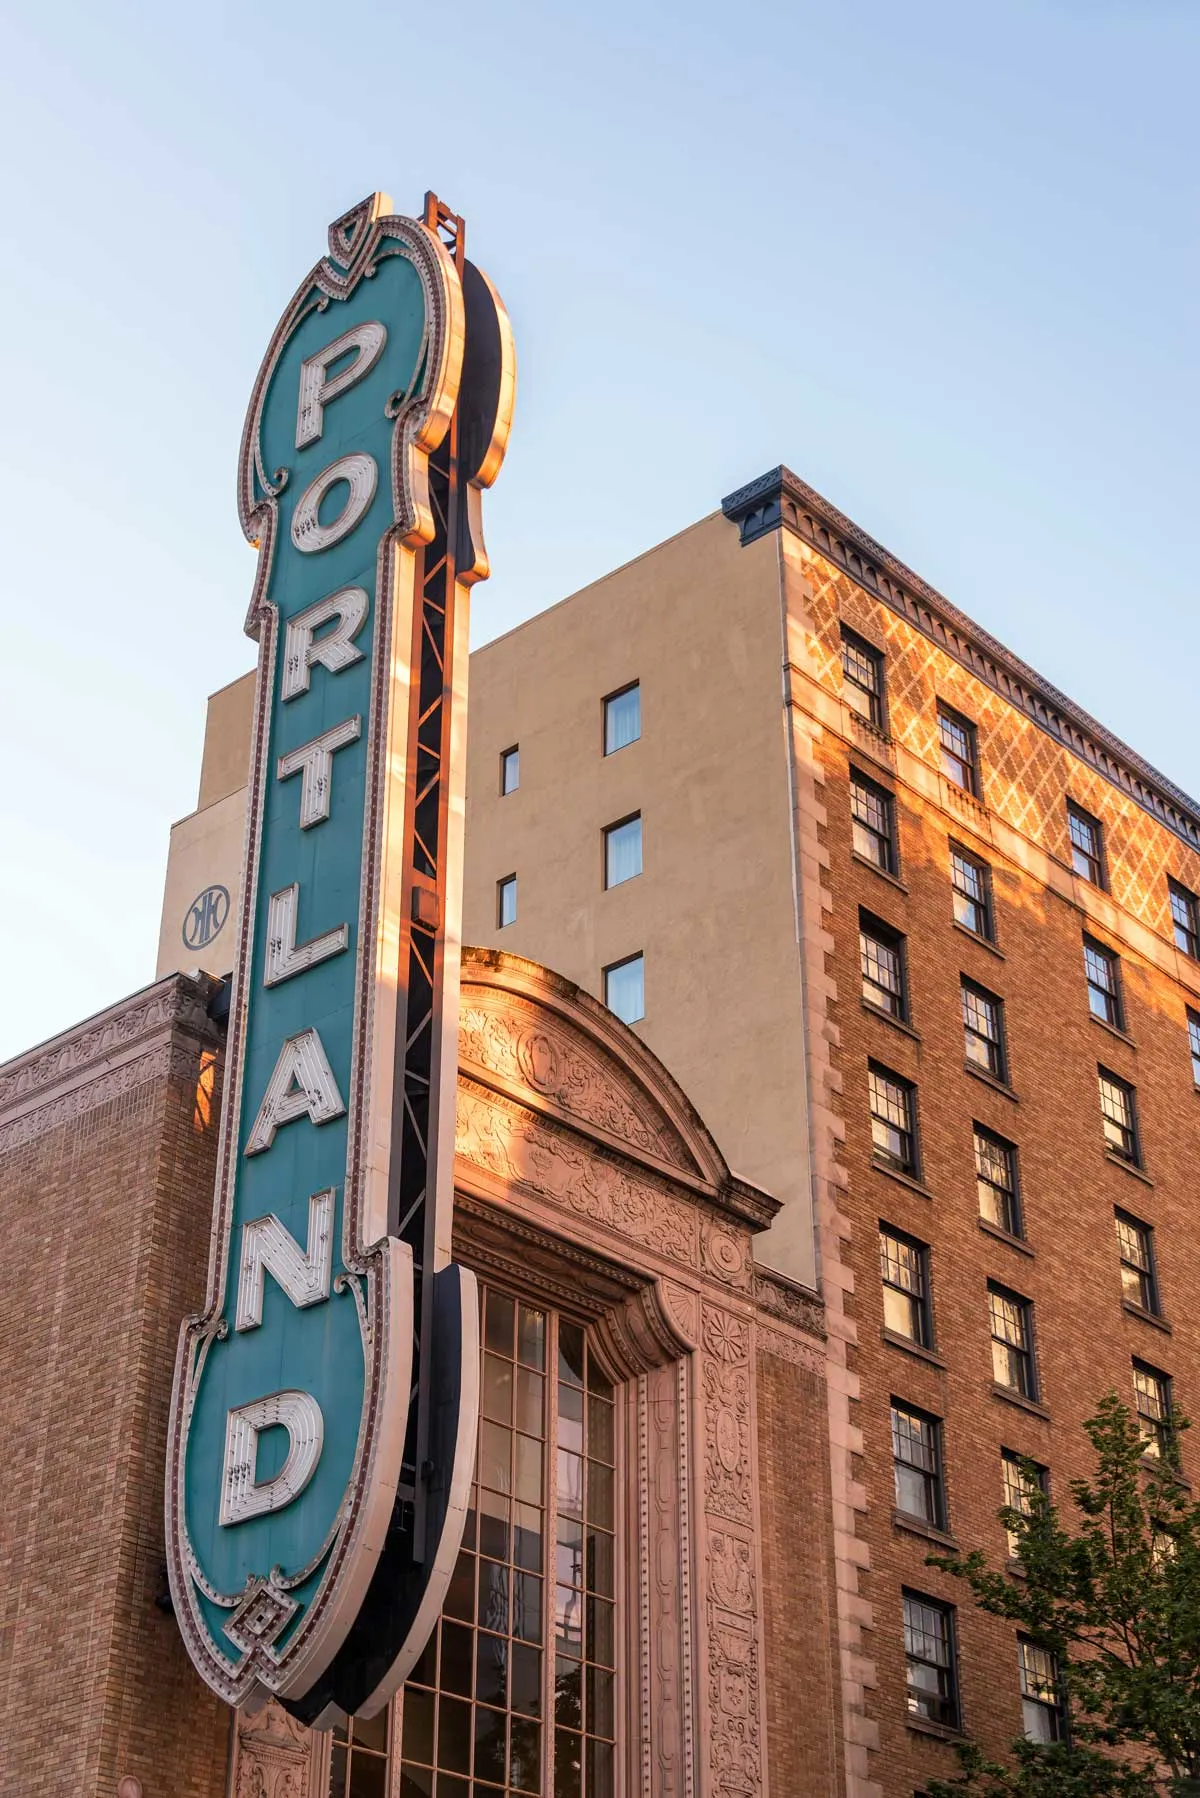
x: 697, y: 622
x: 206, y: 846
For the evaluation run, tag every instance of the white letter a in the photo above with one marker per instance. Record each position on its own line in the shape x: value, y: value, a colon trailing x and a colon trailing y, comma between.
x: 302, y: 1085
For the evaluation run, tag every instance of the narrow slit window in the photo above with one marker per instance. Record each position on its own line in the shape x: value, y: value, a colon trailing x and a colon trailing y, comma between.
x: 622, y: 718
x: 510, y: 770
x: 506, y: 901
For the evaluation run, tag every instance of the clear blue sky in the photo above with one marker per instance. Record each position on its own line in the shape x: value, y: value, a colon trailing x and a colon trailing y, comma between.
x: 938, y: 257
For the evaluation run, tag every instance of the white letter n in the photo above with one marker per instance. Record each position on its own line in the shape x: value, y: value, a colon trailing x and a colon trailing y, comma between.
x: 269, y: 1248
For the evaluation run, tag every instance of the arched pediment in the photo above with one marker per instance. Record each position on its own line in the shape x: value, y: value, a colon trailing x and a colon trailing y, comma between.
x: 541, y: 1041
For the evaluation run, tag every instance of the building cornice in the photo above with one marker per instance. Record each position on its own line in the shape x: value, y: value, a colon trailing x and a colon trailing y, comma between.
x: 103, y: 1057
x: 780, y: 500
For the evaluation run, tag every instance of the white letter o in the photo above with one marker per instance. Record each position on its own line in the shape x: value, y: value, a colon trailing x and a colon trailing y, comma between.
x: 308, y: 534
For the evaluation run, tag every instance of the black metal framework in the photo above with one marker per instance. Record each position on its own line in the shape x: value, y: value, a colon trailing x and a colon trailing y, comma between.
x: 1022, y: 1481
x: 1087, y: 844
x: 862, y: 678
x: 959, y: 749
x: 971, y: 882
x: 1152, y: 1396
x: 1102, y: 971
x: 983, y: 1030
x: 1185, y: 918
x: 1011, y: 1323
x: 893, y: 1119
x: 1135, y: 1244
x: 881, y: 957
x: 904, y: 1271
x: 930, y: 1660
x: 917, y: 1464
x: 359, y: 1757
x: 1041, y: 1695
x: 1118, y: 1117
x: 996, y: 1181
x: 873, y: 822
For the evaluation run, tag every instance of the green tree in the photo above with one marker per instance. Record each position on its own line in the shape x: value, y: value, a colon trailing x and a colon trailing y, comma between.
x: 1116, y: 1600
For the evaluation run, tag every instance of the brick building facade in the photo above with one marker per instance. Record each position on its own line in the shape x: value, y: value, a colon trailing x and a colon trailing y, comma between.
x: 621, y: 1615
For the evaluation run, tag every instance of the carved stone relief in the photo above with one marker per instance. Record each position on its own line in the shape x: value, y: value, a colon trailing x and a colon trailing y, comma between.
x: 274, y: 1757
x: 506, y: 1141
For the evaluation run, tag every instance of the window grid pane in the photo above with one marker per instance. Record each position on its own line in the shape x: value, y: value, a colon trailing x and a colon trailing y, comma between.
x: 622, y: 719
x: 1100, y: 967
x: 622, y: 851
x: 536, y: 1577
x: 1116, y: 1115
x: 905, y: 1287
x: 1137, y: 1264
x: 983, y: 1034
x: 871, y: 828
x: 1193, y: 1024
x: 958, y: 750
x: 891, y: 1119
x: 1185, y: 919
x: 996, y: 1181
x: 915, y: 1464
x: 1040, y: 1709
x: 881, y: 960
x: 1020, y: 1490
x: 968, y: 878
x: 862, y: 679
x: 1152, y: 1391
x: 928, y: 1648
x: 1086, y: 852
x: 1012, y: 1359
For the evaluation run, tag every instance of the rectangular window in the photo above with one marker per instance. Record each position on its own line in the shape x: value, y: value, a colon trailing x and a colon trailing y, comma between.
x: 510, y: 770
x: 359, y: 1756
x: 622, y: 851
x: 1185, y: 919
x: 971, y: 882
x: 1011, y: 1320
x: 983, y: 1029
x: 1041, y: 1706
x: 881, y: 954
x: 929, y: 1652
x: 1117, y: 1116
x: 515, y: 1690
x: 625, y: 988
x: 1087, y: 844
x: 1152, y: 1393
x: 1024, y: 1481
x: 862, y: 678
x: 506, y: 901
x: 893, y: 1121
x: 960, y: 752
x: 904, y: 1267
x: 622, y: 718
x: 996, y: 1181
x: 1135, y: 1243
x: 1193, y: 1024
x: 916, y: 1464
x: 873, y: 822
x: 1100, y: 966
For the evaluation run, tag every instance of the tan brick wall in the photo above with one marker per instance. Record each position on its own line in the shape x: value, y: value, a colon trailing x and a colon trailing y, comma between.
x: 800, y: 1599
x: 103, y: 1230
x: 1085, y: 1338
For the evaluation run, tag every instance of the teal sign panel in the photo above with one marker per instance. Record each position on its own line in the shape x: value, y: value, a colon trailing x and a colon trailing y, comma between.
x: 291, y: 1401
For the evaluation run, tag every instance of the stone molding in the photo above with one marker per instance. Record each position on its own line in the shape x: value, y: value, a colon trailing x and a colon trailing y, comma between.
x: 104, y: 1057
x: 779, y: 499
